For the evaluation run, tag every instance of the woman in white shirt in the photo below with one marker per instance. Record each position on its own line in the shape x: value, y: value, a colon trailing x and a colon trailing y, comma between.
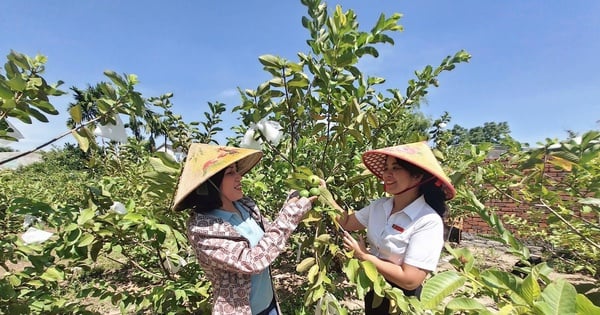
x: 405, y: 230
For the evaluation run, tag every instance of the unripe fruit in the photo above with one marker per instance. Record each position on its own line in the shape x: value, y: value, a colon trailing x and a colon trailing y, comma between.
x: 315, y: 191
x: 304, y: 193
x: 314, y: 180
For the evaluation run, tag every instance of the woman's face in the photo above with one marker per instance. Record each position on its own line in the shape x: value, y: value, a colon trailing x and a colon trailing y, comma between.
x: 231, y: 185
x: 396, y: 178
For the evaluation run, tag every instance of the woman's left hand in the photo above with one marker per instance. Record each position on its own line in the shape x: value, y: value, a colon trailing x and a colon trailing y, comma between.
x: 358, y: 246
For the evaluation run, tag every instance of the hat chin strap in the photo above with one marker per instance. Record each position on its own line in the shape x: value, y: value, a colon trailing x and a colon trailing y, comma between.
x: 416, y: 185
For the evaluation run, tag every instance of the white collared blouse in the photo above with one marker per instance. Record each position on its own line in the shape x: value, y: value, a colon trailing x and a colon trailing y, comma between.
x: 414, y: 236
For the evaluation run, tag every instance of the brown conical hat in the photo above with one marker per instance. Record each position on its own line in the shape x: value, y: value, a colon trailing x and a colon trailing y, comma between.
x: 417, y: 153
x: 205, y: 160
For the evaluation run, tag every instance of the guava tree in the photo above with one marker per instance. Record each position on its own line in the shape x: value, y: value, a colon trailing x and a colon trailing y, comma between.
x: 330, y: 112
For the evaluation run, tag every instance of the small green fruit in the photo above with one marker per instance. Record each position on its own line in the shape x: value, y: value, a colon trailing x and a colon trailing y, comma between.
x: 314, y: 180
x: 315, y: 191
x: 304, y: 193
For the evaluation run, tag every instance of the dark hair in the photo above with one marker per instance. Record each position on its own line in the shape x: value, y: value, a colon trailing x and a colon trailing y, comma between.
x: 206, y: 197
x: 433, y: 194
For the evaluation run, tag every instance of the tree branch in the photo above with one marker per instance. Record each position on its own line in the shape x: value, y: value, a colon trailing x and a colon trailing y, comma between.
x: 567, y: 223
x: 55, y: 139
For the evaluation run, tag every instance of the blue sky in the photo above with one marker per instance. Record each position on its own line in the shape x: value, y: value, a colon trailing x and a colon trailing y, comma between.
x: 534, y: 63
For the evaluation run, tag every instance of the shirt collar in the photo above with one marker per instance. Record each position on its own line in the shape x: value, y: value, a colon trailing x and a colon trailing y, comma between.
x: 412, y: 210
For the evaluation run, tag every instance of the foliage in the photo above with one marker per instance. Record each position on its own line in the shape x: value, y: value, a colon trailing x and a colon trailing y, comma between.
x: 490, y: 132
x: 118, y: 212
x: 69, y: 157
x: 24, y: 93
x: 145, y: 241
x: 569, y: 204
x: 115, y: 238
x: 330, y: 113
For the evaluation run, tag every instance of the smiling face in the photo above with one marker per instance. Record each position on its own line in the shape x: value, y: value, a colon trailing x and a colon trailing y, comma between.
x: 397, y: 178
x: 231, y: 185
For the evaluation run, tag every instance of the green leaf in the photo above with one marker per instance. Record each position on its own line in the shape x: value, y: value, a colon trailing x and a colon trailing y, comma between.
x: 17, y: 113
x: 85, y: 216
x: 6, y: 291
x: 5, y: 92
x: 299, y: 82
x: 116, y: 79
x: 17, y: 83
x: 95, y: 250
x: 370, y: 270
x: 401, y: 300
x: 45, y: 106
x: 363, y: 282
x: 530, y: 289
x: 470, y: 305
x: 558, y: 297
x: 86, y: 240
x: 19, y: 59
x: 8, y: 104
x: 367, y: 50
x: 36, y: 114
x: 164, y: 162
x: 36, y: 283
x: 585, y: 306
x: 84, y: 142
x: 72, y: 236
x: 76, y: 113
x: 440, y: 286
x: 180, y: 295
x: 351, y: 269
x: 53, y: 275
x: 269, y: 61
x: 134, y: 217
x: 499, y: 279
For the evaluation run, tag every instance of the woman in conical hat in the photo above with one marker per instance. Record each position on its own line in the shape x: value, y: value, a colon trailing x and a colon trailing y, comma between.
x: 234, y: 243
x: 404, y: 231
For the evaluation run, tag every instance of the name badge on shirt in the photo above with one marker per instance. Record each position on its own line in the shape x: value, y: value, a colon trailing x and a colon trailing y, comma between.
x: 398, y: 228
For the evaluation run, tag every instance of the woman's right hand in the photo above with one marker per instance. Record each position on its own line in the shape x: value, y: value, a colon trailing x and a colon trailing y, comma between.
x: 299, y: 204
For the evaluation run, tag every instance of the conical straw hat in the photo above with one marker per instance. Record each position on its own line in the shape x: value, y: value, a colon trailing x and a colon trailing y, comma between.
x: 205, y: 160
x: 417, y: 153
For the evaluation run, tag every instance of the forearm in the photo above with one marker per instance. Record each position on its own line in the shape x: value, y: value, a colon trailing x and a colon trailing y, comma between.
x: 405, y: 276
x: 349, y: 222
